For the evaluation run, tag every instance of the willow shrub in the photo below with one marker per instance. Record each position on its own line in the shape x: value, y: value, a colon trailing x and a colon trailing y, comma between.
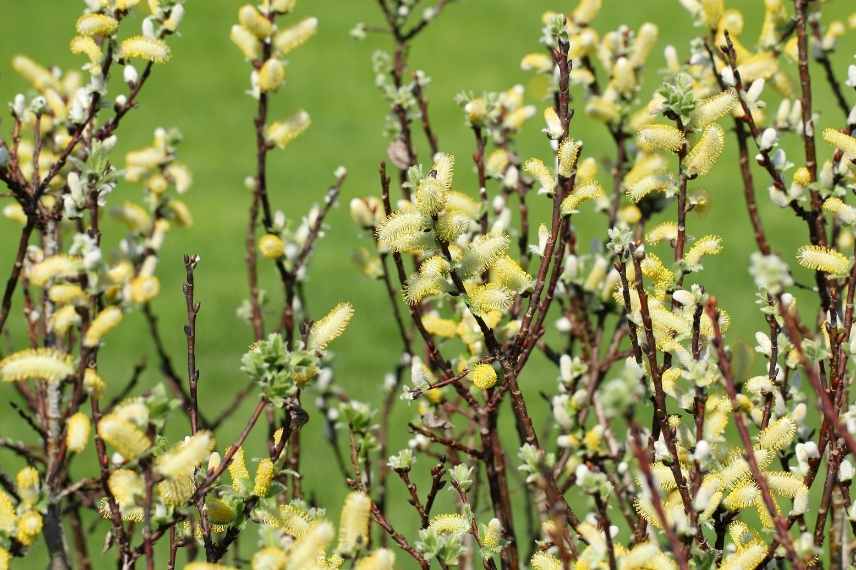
x: 655, y: 454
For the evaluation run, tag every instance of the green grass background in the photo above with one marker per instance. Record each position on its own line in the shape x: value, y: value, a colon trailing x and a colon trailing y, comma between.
x: 476, y: 45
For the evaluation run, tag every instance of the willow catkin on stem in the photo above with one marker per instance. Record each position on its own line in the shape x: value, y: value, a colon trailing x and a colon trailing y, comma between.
x: 330, y: 327
x: 107, y: 320
x: 87, y: 46
x: 354, y: 522
x: 380, y: 559
x: 544, y: 561
x: 264, y: 477
x: 707, y: 245
x: 98, y: 25
x: 184, y: 458
x: 246, y: 41
x: 123, y: 436
x: 37, y: 75
x: 292, y: 38
x: 660, y: 137
x: 482, y: 253
x: 714, y: 108
x: 706, y: 152
x: 310, y: 546
x: 746, y: 558
x: 281, y: 133
x: 45, y: 364
x: 845, y: 143
x: 581, y: 194
x: 125, y: 486
x: 238, y: 472
x: 483, y: 376
x: 819, y: 258
x: 251, y: 19
x: 271, y: 75
x: 54, y: 267
x: 270, y: 558
x: 148, y: 49
x: 77, y: 432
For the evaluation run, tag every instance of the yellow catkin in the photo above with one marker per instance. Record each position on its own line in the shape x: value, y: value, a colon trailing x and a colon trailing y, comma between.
x: 660, y: 137
x: 54, y: 267
x: 581, y: 194
x: 125, y: 486
x: 453, y: 523
x: 144, y: 288
x: 760, y: 66
x: 508, y: 273
x: 238, y: 472
x: 77, y: 432
x: 264, y: 477
x: 36, y: 74
x: 483, y: 376
x: 492, y: 536
x: 292, y: 38
x: 282, y: 133
x: 97, y: 25
x: 482, y: 252
x: 585, y: 12
x: 568, y: 153
x: 270, y: 558
x: 484, y: 299
x: 540, y: 62
x: 845, y: 143
x: 778, y: 434
x: 87, y: 46
x: 271, y: 246
x: 7, y: 513
x: 746, y: 558
x: 714, y: 108
x: 124, y: 436
x: 706, y: 152
x: 93, y: 383
x: 15, y: 213
x: 354, y: 523
x: 665, y: 231
x: 107, y: 320
x: 544, y: 561
x: 175, y: 492
x: 639, y: 189
x: 45, y: 364
x: 244, y: 39
x: 271, y: 75
x: 29, y: 527
x: 439, y: 326
x: 27, y: 485
x: 66, y: 293
x: 145, y: 48
x: 330, y: 327
x: 707, y: 245
x: 380, y: 559
x: 539, y: 171
x: 310, y: 546
x: 182, y: 459
x: 823, y: 259
x: 252, y: 20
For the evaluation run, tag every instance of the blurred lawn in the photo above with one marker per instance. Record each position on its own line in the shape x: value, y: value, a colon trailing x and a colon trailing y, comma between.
x: 476, y: 46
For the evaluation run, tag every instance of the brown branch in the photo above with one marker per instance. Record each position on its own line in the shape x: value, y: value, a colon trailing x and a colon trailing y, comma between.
x: 190, y: 262
x: 15, y: 273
